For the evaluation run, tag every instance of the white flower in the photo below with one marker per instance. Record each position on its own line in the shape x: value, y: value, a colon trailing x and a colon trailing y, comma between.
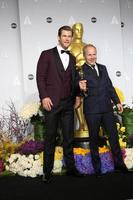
x: 37, y: 156
x: 13, y: 157
x: 29, y: 110
x: 57, y: 166
x: 129, y: 158
x: 30, y: 165
x: 31, y: 156
x: 7, y: 167
x: 25, y: 165
x: 129, y: 163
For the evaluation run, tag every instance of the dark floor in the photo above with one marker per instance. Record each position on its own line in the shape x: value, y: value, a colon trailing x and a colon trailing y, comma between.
x: 112, y: 186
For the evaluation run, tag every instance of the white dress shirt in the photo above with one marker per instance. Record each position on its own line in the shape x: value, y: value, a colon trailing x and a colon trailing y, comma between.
x: 64, y: 57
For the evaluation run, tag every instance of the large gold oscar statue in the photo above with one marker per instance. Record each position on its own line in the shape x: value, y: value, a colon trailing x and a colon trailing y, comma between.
x: 76, y: 48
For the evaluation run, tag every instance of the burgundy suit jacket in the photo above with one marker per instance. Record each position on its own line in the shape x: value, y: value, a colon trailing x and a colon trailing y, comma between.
x: 48, y: 76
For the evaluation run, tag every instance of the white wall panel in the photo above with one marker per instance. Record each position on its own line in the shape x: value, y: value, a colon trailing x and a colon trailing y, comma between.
x: 11, y: 75
x: 127, y: 38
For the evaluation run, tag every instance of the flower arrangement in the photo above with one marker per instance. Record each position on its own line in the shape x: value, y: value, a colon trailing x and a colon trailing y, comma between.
x: 84, y: 164
x: 127, y: 118
x: 126, y: 129
x: 31, y: 147
x: 121, y: 134
x: 32, y: 111
x: 35, y: 114
x: 7, y: 148
x: 29, y: 110
x: 23, y: 155
x: 12, y: 126
x: 23, y: 165
x: 32, y: 164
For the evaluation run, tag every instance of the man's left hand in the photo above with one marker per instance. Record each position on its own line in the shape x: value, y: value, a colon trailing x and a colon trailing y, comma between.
x: 120, y: 107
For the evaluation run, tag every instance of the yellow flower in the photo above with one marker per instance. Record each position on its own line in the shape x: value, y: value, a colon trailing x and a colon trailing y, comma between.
x: 103, y: 149
x: 81, y: 151
x: 41, y: 157
x: 122, y: 143
x: 8, y: 148
x: 1, y: 153
x: 118, y: 126
x: 122, y: 129
x: 58, y: 153
x: 120, y: 94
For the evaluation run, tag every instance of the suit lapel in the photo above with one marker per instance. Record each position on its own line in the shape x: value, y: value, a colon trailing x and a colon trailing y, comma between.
x: 100, y: 71
x: 71, y: 64
x: 89, y: 71
x: 58, y: 61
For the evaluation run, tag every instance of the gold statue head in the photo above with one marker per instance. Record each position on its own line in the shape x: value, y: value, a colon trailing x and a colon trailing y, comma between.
x: 77, y: 30
x: 77, y: 45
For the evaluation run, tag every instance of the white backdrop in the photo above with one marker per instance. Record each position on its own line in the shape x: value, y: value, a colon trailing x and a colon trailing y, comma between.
x: 25, y: 32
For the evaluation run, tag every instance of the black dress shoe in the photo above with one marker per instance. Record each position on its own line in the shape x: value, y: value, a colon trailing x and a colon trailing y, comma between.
x: 47, y: 178
x: 122, y: 169
x: 98, y: 174
x: 74, y: 172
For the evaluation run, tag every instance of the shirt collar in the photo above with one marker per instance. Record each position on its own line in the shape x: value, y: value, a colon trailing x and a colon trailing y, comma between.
x: 90, y: 65
x: 59, y: 48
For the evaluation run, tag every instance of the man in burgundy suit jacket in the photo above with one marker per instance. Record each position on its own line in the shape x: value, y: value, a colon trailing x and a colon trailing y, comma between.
x: 58, y: 89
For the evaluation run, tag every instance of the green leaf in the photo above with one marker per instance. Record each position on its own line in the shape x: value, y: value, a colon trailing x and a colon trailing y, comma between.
x: 7, y: 173
x: 127, y: 118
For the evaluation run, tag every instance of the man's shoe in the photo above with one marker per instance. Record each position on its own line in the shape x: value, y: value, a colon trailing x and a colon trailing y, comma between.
x: 74, y: 172
x: 122, y: 169
x: 47, y: 178
x: 98, y: 174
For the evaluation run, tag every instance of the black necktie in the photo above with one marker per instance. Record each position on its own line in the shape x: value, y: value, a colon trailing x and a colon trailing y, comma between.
x: 94, y: 70
x: 65, y: 51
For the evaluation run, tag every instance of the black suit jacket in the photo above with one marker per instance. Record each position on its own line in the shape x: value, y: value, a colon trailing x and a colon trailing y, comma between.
x: 101, y: 93
x: 49, y: 68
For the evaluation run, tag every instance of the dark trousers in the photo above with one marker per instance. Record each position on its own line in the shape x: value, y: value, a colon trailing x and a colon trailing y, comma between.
x: 63, y: 114
x: 107, y: 120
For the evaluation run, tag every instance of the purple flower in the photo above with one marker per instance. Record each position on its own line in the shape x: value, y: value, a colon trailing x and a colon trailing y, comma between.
x: 1, y: 165
x: 107, y: 164
x: 84, y: 163
x: 31, y: 147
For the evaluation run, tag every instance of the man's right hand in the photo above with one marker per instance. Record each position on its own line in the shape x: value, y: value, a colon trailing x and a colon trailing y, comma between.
x: 83, y: 85
x: 47, y: 103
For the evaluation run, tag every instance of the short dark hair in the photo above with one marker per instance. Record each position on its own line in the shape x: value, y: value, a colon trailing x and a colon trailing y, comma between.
x: 66, y: 28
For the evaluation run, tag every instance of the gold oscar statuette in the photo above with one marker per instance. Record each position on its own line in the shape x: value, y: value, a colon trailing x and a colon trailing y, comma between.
x: 76, y: 48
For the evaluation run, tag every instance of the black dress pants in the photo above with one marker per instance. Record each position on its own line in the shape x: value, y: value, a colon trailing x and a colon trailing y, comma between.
x: 107, y: 120
x: 63, y: 114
